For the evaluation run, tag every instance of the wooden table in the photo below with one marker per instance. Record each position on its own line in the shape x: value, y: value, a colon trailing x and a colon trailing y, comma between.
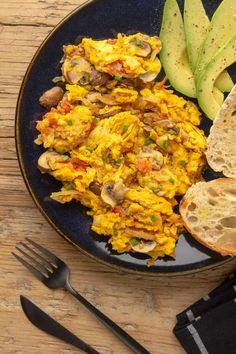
x: 145, y: 307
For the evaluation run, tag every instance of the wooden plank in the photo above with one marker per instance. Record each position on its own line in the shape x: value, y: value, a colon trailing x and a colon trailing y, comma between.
x: 35, y: 13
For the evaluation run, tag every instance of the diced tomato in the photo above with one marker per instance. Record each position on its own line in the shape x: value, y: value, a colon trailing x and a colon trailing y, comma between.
x: 66, y: 107
x: 112, y: 41
x: 119, y: 210
x: 76, y: 51
x: 116, y: 68
x: 92, y: 126
x: 79, y: 166
x: 144, y: 165
x: 79, y: 51
x: 53, y: 123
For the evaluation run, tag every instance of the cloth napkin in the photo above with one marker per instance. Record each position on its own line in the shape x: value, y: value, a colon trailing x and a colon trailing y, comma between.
x: 209, y: 325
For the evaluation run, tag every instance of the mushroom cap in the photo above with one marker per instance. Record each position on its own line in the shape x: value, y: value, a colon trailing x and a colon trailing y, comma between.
x: 43, y: 160
x: 52, y: 97
x: 113, y: 193
x: 144, y: 247
x: 148, y: 76
x: 142, y: 47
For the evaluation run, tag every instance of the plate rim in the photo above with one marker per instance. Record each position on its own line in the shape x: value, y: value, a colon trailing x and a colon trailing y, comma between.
x: 129, y: 270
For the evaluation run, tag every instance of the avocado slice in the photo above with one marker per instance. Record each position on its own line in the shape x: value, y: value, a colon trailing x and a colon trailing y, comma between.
x: 173, y: 55
x: 223, y: 58
x: 196, y: 25
x: 222, y: 28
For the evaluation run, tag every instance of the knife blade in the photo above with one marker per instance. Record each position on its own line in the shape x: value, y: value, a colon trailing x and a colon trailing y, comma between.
x: 47, y: 324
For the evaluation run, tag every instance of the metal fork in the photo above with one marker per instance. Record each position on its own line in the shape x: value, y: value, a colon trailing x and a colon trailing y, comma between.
x: 54, y: 273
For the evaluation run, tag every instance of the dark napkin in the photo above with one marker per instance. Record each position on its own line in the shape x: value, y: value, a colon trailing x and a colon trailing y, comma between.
x: 209, y: 325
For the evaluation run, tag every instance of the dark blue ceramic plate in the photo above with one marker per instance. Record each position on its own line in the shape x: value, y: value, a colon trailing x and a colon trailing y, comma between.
x: 97, y: 19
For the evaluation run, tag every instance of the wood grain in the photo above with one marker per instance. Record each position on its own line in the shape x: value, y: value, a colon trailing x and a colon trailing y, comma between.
x: 145, y: 307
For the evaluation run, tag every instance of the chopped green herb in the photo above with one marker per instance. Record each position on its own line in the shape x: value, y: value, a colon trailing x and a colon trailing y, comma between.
x: 68, y: 186
x: 118, y: 78
x: 94, y: 120
x: 104, y: 158
x: 65, y: 157
x: 171, y: 180
x: 156, y: 190
x: 138, y: 42
x: 118, y: 161
x: 86, y: 77
x: 115, y: 232
x: 69, y: 122
x: 125, y: 128
x: 165, y: 144
x: 134, y: 242
x: 176, y: 130
x: 183, y: 163
x: 63, y: 150
x: 153, y: 218
x: 90, y: 148
x: 148, y: 141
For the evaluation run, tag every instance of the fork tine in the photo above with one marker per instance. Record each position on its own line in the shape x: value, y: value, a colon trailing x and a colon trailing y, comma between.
x: 39, y: 265
x: 33, y: 270
x: 48, y: 264
x: 50, y: 255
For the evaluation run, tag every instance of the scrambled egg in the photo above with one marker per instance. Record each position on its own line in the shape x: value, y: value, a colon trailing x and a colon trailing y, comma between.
x: 126, y: 56
x: 123, y: 150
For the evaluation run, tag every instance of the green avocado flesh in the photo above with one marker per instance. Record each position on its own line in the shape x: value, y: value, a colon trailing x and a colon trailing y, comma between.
x: 223, y: 58
x: 173, y: 55
x: 196, y: 25
x: 222, y: 28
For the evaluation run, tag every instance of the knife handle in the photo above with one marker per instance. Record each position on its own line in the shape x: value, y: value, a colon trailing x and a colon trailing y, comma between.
x: 118, y: 331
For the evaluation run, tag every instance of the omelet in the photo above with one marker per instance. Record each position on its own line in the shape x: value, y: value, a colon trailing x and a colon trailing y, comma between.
x: 123, y: 149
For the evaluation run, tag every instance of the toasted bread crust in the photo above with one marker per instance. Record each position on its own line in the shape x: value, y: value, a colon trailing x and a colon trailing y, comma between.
x: 221, y: 151
x: 200, y: 196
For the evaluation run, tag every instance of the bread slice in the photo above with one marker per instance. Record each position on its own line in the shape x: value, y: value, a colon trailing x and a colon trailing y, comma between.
x: 221, y: 142
x: 208, y: 210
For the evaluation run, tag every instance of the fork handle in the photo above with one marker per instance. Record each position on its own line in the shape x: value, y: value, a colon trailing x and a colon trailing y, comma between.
x: 118, y: 331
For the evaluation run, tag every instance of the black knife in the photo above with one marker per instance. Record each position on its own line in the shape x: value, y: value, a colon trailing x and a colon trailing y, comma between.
x: 47, y: 324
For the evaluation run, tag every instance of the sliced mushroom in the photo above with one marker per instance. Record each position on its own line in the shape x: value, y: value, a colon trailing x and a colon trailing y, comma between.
x: 93, y: 96
x: 109, y: 113
x: 168, y: 125
x: 148, y: 76
x: 142, y: 48
x: 155, y: 157
x: 108, y: 100
x: 95, y: 187
x: 43, y: 160
x: 144, y: 246
x: 113, y: 193
x: 85, y: 79
x: 76, y: 69
x: 140, y: 234
x: 52, y: 97
x: 98, y: 79
x: 151, y: 118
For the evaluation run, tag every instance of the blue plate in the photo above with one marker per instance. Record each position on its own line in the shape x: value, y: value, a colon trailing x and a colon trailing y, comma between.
x: 97, y: 19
